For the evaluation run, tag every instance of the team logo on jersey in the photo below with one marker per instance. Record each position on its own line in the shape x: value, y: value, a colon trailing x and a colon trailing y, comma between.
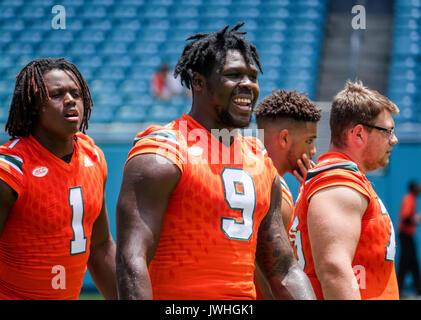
x: 88, y: 162
x: 40, y: 172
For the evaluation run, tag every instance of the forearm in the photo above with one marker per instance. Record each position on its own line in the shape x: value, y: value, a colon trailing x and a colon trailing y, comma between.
x: 293, y: 286
x: 133, y: 281
x: 101, y: 265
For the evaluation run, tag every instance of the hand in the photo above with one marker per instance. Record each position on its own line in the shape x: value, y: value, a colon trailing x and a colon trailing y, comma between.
x: 304, y: 164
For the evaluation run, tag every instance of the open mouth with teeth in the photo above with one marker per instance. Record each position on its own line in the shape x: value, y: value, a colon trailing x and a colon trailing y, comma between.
x: 243, y: 103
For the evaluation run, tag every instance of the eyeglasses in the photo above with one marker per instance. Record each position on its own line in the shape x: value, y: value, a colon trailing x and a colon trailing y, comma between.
x: 391, y: 132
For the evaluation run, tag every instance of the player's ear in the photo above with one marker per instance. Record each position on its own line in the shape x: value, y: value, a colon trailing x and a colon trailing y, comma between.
x: 198, y: 81
x: 284, y: 138
x: 358, y: 134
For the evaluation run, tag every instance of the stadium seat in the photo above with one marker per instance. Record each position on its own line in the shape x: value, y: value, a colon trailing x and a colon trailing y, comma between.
x: 129, y: 113
x: 118, y: 45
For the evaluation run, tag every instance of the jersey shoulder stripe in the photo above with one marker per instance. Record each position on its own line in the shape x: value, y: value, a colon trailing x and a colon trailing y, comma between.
x: 13, y: 161
x: 163, y: 135
x: 347, y: 165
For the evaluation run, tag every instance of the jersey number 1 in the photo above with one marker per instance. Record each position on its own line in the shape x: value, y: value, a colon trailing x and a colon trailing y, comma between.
x: 78, y: 243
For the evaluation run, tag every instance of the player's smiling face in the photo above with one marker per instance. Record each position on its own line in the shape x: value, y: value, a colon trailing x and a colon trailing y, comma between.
x: 233, y: 90
x: 61, y: 113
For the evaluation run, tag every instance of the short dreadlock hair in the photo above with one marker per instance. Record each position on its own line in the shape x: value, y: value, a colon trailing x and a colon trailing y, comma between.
x: 287, y: 104
x: 30, y: 85
x: 201, y: 54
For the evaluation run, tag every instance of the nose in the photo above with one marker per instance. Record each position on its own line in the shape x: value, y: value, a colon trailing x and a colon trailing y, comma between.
x: 313, y: 150
x: 68, y: 98
x: 393, y: 139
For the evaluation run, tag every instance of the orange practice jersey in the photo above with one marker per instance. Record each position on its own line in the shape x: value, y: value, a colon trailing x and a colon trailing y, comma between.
x: 373, y: 261
x: 44, y: 246
x: 209, y: 234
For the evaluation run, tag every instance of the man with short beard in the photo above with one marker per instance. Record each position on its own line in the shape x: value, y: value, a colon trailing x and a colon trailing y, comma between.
x: 345, y: 240
x: 190, y: 225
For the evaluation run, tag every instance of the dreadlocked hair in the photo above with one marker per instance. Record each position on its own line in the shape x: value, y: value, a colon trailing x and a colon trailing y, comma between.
x: 287, y: 104
x: 30, y: 85
x: 206, y: 49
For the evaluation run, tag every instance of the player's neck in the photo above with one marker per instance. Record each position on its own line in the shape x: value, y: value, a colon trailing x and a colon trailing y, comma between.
x: 209, y: 124
x: 354, y: 155
x: 59, y: 147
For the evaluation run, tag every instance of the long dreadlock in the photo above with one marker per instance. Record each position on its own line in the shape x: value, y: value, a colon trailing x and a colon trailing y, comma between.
x: 201, y: 54
x: 30, y: 85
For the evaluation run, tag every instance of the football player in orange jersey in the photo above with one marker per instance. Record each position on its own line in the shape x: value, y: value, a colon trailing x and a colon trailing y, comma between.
x: 190, y: 228
x: 289, y: 120
x: 345, y: 240
x: 53, y: 217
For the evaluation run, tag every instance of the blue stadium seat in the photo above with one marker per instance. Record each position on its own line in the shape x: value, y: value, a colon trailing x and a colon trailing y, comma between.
x: 125, y: 11
x: 133, y: 24
x: 119, y: 61
x: 4, y: 112
x: 114, y: 48
x: 140, y: 48
x: 97, y: 36
x: 82, y: 48
x: 17, y: 49
x: 163, y: 112
x: 131, y: 113
x: 214, y: 11
x: 154, y: 11
x: 185, y: 24
x: 102, y: 114
x: 184, y: 11
x: 92, y: 11
x: 102, y: 85
x: 12, y: 24
x: 244, y: 11
x: 131, y: 86
x: 111, y: 73
x: 52, y: 49
x: 60, y: 36
x: 121, y: 35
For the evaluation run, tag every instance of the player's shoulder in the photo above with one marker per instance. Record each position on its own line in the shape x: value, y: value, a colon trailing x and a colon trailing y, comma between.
x: 12, y: 154
x: 337, y: 167
x: 85, y: 140
x: 89, y: 148
x: 255, y: 144
x: 159, y: 133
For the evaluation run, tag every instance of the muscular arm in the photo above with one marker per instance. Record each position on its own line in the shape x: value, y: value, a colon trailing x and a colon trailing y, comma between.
x: 148, y: 182
x: 334, y: 226
x: 8, y: 197
x: 101, y: 263
x: 286, y: 212
x: 275, y: 257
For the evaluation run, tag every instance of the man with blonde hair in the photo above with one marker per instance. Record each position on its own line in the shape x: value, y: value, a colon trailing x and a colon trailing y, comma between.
x: 345, y: 240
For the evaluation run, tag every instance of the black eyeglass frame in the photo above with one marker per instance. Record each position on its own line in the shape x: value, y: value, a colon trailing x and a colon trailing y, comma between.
x: 391, y: 132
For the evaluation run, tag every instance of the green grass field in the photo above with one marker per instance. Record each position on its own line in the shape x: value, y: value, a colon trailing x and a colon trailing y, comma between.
x: 90, y: 296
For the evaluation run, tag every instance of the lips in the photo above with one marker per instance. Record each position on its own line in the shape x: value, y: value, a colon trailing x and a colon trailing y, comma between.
x: 243, y: 102
x: 72, y: 115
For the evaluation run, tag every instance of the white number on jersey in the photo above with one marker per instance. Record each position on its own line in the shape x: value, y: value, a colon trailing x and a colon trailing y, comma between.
x: 240, y: 194
x: 297, y: 243
x: 78, y: 243
x: 391, y: 246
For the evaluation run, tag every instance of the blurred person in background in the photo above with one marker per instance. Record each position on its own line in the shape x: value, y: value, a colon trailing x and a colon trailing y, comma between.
x: 408, y: 221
